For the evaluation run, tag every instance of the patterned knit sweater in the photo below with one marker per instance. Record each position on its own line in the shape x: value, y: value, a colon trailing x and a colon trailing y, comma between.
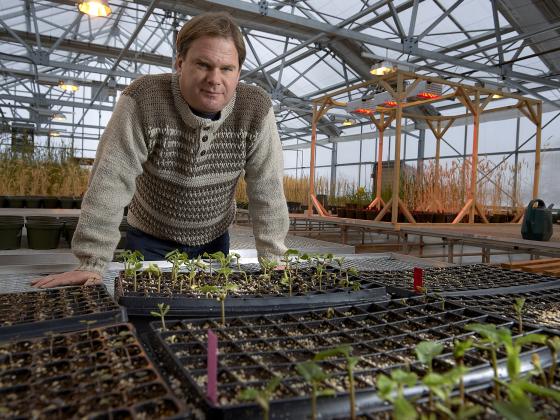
x: 179, y: 172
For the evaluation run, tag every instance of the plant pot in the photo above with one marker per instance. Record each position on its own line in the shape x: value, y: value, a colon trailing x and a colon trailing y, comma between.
x: 293, y: 206
x: 360, y: 214
x: 371, y: 214
x: 15, y: 201
x: 3, y: 202
x: 438, y: 217
x: 10, y: 232
x: 351, y: 213
x: 50, y: 202
x: 70, y: 224
x: 77, y: 203
x: 43, y: 233
x: 33, y: 202
x: 341, y: 211
x: 66, y: 202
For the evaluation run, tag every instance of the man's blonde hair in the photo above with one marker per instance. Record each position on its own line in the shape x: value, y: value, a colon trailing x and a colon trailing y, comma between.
x: 218, y: 24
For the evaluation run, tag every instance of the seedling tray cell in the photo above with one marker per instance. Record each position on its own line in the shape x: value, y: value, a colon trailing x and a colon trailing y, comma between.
x: 541, y: 307
x: 93, y: 373
x: 28, y: 314
x: 258, y: 296
x: 473, y: 279
x: 255, y: 349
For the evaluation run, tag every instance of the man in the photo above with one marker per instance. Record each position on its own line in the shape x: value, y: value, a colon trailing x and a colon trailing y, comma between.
x: 175, y: 148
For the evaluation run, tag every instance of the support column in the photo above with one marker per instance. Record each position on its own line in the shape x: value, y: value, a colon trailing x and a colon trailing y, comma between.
x: 537, y: 175
x: 420, y: 158
x: 334, y: 157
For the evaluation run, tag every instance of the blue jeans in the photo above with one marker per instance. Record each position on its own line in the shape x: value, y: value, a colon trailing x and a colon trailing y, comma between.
x: 155, y: 249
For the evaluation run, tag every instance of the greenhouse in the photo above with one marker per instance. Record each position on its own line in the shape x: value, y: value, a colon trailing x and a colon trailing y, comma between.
x: 279, y: 209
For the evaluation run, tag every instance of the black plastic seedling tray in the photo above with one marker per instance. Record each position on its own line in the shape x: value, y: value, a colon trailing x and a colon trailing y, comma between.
x: 254, y: 349
x: 541, y: 307
x: 192, y: 304
x: 461, y: 280
x: 97, y: 373
x: 28, y: 314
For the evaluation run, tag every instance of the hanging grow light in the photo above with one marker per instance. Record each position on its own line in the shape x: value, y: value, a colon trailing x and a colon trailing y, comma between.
x: 94, y: 7
x: 348, y: 122
x: 381, y: 68
x: 391, y: 104
x: 427, y: 90
x: 68, y: 85
x: 59, y: 117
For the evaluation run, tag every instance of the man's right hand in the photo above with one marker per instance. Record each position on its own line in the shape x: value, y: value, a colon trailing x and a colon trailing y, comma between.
x: 70, y: 278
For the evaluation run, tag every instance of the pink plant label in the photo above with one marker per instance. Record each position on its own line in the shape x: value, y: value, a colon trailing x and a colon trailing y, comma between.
x: 212, y: 367
x: 418, y: 279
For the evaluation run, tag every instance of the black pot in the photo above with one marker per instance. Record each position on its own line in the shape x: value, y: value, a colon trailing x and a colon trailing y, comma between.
x: 43, y: 232
x: 66, y: 202
x: 15, y: 201
x: 50, y: 202
x: 33, y: 202
x: 10, y: 232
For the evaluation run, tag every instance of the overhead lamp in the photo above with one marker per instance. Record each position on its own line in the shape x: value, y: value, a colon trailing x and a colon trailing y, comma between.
x: 348, y: 122
x: 94, y: 7
x: 391, y: 104
x: 426, y: 90
x: 59, y: 116
x: 54, y: 133
x: 381, y: 68
x: 68, y: 85
x: 363, y: 111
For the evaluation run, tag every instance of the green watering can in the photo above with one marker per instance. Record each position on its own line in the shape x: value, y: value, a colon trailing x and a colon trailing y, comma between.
x: 537, y: 222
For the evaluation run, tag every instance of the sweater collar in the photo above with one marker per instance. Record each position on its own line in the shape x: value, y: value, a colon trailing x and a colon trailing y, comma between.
x: 186, y: 113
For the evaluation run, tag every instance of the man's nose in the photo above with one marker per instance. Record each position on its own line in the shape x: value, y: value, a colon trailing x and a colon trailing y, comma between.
x: 213, y: 76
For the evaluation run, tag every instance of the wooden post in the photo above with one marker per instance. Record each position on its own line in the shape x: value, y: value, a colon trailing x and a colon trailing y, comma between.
x: 379, y: 175
x: 397, y: 162
x: 312, y: 162
x: 537, y: 173
x: 474, y: 163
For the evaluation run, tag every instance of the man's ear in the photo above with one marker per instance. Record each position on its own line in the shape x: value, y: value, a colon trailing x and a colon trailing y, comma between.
x: 178, y: 63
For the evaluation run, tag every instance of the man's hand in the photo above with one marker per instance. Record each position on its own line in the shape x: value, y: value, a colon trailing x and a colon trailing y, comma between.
x: 70, y: 278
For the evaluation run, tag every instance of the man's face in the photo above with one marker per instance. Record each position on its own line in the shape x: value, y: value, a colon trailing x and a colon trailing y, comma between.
x: 209, y: 73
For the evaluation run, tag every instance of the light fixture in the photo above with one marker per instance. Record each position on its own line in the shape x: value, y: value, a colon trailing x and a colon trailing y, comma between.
x: 381, y: 68
x: 54, y: 133
x: 390, y: 103
x: 68, y: 85
x: 59, y: 116
x: 363, y: 111
x: 348, y: 122
x: 94, y: 7
x: 426, y: 90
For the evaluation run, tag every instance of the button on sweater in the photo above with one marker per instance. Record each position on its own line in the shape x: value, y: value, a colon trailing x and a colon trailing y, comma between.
x: 179, y: 172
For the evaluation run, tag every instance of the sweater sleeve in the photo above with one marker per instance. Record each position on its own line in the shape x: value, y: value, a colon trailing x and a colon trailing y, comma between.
x: 264, y: 171
x: 122, y: 151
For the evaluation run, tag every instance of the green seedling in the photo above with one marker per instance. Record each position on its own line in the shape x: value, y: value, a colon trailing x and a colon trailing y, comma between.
x: 425, y: 352
x: 351, y: 363
x: 220, y: 294
x: 314, y: 375
x: 154, y: 271
x: 392, y: 389
x: 553, y: 344
x: 490, y: 342
x: 287, y: 261
x: 459, y: 350
x: 163, y: 309
x: 132, y: 263
x: 442, y: 385
x: 518, y: 308
x: 261, y: 396
x: 176, y: 258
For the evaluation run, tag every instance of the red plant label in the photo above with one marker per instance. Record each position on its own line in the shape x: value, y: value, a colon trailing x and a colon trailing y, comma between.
x: 212, y: 367
x: 418, y: 279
